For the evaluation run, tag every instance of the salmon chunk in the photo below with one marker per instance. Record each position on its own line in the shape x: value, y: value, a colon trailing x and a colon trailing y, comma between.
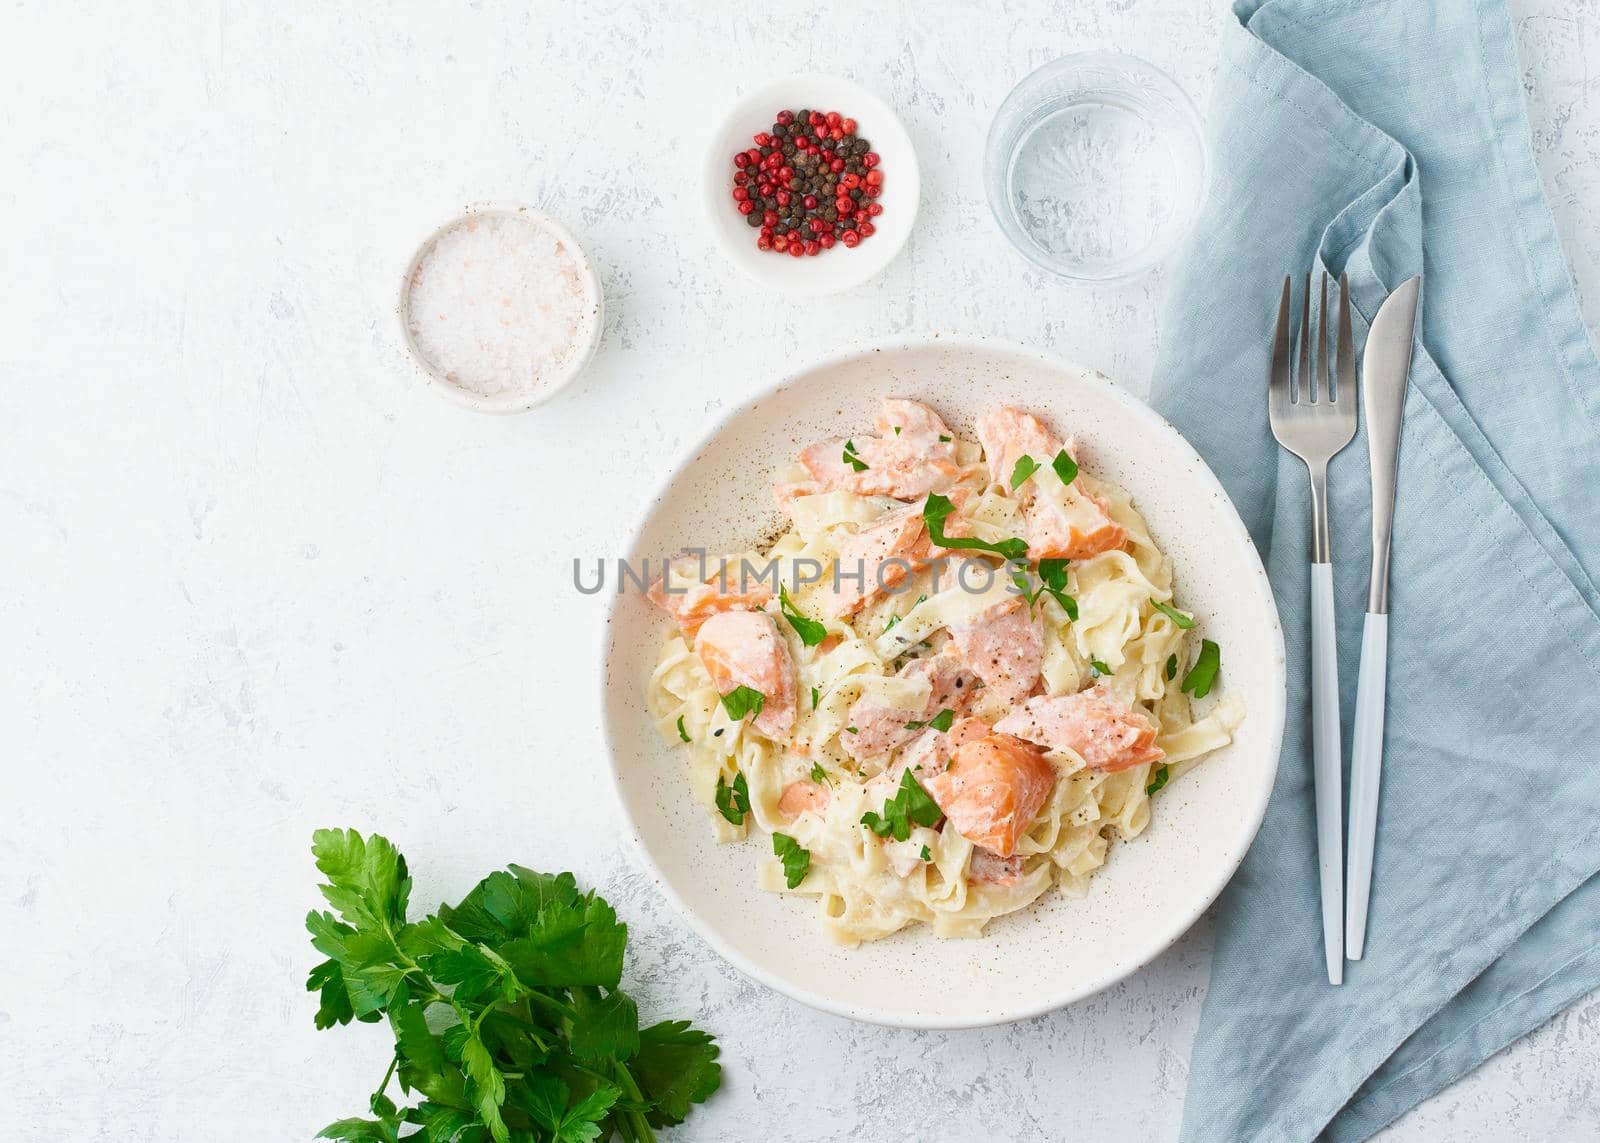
x: 798, y: 797
x: 879, y: 729
x: 925, y: 754
x: 1004, y: 646
x: 1068, y: 523
x: 1008, y: 434
x: 1094, y: 724
x: 680, y: 592
x: 884, y: 554
x: 992, y: 790
x: 989, y: 867
x: 744, y: 649
x: 915, y: 454
x: 1062, y: 521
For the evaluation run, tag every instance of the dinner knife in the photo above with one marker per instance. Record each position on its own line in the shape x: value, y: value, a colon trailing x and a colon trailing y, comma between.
x: 1386, y: 368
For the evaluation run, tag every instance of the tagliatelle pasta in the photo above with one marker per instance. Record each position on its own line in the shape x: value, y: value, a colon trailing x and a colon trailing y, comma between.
x: 953, y: 738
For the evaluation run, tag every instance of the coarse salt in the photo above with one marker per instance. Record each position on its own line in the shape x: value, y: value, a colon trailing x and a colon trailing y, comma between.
x: 499, y: 304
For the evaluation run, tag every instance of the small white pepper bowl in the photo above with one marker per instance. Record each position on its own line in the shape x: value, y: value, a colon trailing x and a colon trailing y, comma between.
x: 831, y: 270
x: 524, y: 397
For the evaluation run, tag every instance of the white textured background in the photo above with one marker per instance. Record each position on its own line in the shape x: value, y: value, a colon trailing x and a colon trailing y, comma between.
x: 254, y: 578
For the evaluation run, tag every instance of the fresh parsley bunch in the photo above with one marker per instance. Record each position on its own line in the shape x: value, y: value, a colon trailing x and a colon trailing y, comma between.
x: 508, y: 1022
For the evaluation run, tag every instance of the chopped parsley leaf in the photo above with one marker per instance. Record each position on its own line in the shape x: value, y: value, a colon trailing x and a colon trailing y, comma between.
x: 810, y: 631
x: 1172, y: 667
x: 897, y: 430
x: 1184, y: 622
x: 742, y: 700
x: 852, y: 459
x: 819, y: 775
x: 910, y: 805
x: 796, y: 859
x: 733, y: 802
x: 1066, y: 468
x: 1052, y: 581
x: 1204, y: 672
x: 1025, y: 467
x: 926, y: 856
x: 815, y: 694
x: 852, y: 730
x: 940, y: 721
x: 1098, y: 668
x: 682, y: 733
x: 1157, y: 780
x: 943, y: 439
x: 938, y: 509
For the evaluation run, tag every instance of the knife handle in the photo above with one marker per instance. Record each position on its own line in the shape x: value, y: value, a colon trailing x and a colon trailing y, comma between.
x: 1366, y: 764
x: 1327, y: 768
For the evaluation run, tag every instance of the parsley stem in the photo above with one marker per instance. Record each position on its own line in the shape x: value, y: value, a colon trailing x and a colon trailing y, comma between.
x: 551, y: 1004
x: 394, y: 1062
x: 640, y: 1125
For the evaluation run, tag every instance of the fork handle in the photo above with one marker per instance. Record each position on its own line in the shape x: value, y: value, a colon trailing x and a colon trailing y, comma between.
x: 1327, y: 767
x: 1366, y: 764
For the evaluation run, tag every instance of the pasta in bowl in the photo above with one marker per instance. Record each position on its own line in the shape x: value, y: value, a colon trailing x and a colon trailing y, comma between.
x: 945, y: 686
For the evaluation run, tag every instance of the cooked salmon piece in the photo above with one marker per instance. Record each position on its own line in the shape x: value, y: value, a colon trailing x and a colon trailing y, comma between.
x: 798, y: 797
x: 917, y: 459
x: 992, y: 789
x: 916, y: 426
x: 691, y: 602
x: 879, y: 729
x: 1007, y: 434
x: 1004, y: 646
x: 1097, y: 726
x: 925, y: 754
x: 1062, y: 521
x: 1069, y: 523
x: 790, y: 491
x: 928, y: 753
x: 885, y: 554
x: 744, y: 649
x: 989, y: 867
x: 965, y: 730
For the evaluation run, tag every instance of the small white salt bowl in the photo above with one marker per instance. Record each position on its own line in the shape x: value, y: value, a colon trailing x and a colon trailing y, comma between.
x: 513, y: 273
x: 832, y: 270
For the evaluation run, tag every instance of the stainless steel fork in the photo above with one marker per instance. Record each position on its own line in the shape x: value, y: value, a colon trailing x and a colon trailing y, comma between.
x: 1313, y: 415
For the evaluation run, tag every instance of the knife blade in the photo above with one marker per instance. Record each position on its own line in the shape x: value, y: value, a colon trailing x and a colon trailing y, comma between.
x: 1386, y: 369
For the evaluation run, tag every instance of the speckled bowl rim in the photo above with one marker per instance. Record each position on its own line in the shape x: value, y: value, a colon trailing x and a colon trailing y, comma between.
x: 1254, y: 812
x: 504, y: 402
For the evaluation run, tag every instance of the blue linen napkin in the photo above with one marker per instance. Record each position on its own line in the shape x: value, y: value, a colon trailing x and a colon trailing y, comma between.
x: 1388, y: 137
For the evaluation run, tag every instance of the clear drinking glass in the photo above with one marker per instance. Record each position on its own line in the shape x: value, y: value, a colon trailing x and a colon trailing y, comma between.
x: 1095, y: 166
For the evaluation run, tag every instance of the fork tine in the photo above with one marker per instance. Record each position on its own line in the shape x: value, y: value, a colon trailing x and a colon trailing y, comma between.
x: 1278, y: 383
x: 1347, y: 358
x: 1303, y: 391
x: 1322, y: 385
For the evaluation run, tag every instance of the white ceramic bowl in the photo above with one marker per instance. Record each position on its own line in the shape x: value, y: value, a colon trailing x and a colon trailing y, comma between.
x: 512, y: 400
x: 832, y: 270
x: 1060, y: 950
